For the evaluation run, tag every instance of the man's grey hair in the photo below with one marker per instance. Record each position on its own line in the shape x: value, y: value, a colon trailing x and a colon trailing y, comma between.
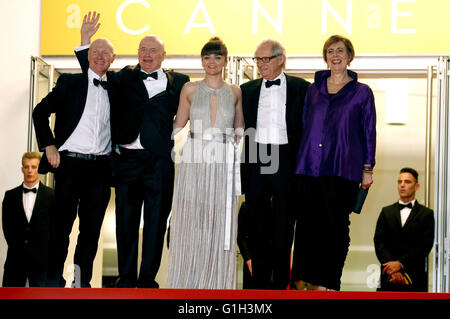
x: 277, y: 48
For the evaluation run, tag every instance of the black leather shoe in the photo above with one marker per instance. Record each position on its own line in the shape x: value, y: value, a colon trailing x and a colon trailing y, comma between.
x: 124, y: 283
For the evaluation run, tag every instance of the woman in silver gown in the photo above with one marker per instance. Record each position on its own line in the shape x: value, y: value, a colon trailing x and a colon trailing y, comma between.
x: 203, y: 226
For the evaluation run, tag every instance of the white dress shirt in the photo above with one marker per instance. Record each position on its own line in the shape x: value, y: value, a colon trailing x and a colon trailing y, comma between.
x: 153, y: 87
x: 404, y: 213
x: 93, y: 132
x: 271, y: 121
x: 28, y: 200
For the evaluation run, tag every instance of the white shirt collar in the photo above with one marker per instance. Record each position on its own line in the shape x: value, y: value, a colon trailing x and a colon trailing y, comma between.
x: 34, y: 186
x: 282, y: 78
x: 159, y: 71
x: 92, y: 75
x: 413, y: 202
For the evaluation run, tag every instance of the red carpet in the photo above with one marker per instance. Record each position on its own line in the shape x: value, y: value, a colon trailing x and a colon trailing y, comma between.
x: 115, y: 293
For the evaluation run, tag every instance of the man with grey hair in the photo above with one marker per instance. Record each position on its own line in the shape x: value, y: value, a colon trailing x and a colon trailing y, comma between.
x: 143, y: 110
x: 78, y: 152
x: 272, y: 107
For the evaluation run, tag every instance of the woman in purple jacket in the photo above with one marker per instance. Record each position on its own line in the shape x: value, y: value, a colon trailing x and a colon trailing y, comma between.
x: 336, y: 155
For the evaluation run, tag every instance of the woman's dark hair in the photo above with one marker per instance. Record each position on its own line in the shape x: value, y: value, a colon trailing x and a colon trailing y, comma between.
x: 214, y: 46
x: 338, y: 38
x: 412, y: 171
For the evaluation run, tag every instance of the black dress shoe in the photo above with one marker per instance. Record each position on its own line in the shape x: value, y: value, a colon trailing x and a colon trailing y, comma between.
x: 124, y: 283
x: 59, y: 283
x: 148, y: 284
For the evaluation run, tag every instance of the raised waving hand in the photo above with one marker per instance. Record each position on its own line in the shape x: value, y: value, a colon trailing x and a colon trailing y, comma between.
x: 89, y: 27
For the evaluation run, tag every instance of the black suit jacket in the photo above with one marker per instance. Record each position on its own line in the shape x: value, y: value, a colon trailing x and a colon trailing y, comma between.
x: 67, y: 101
x: 133, y: 112
x: 295, y: 97
x: 27, y: 241
x: 409, y: 244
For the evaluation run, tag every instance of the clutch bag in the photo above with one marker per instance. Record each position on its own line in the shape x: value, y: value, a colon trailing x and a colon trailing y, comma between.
x: 360, y: 198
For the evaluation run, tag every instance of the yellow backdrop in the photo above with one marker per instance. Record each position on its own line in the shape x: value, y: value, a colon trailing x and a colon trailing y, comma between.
x: 381, y: 26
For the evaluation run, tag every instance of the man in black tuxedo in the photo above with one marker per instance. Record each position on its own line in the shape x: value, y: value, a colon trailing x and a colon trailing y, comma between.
x: 272, y: 107
x: 143, y: 111
x: 404, y: 237
x: 26, y: 226
x: 79, y: 154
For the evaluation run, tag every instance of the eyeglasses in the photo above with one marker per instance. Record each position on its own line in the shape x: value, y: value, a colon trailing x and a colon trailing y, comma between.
x: 264, y: 59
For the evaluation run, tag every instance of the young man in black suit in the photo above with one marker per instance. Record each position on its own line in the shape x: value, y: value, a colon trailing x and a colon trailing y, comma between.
x: 404, y: 237
x: 79, y: 154
x: 143, y: 112
x: 26, y: 226
x: 272, y: 107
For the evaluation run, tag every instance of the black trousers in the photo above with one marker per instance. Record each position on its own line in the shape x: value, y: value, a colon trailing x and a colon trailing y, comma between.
x: 322, y: 229
x: 81, y: 188
x: 24, y: 263
x: 269, y: 198
x: 142, y: 179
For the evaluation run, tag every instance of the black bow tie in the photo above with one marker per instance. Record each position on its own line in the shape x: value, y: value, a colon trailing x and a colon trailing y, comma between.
x: 104, y: 84
x: 26, y: 190
x: 409, y: 205
x: 270, y: 83
x: 154, y: 75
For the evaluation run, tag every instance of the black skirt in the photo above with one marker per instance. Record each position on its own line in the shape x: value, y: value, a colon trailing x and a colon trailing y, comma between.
x: 322, y: 229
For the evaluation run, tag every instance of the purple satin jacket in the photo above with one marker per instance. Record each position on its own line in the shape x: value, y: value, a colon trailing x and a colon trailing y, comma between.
x: 339, y: 132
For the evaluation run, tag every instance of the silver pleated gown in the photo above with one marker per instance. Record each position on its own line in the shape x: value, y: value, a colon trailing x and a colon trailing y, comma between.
x: 198, y: 258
